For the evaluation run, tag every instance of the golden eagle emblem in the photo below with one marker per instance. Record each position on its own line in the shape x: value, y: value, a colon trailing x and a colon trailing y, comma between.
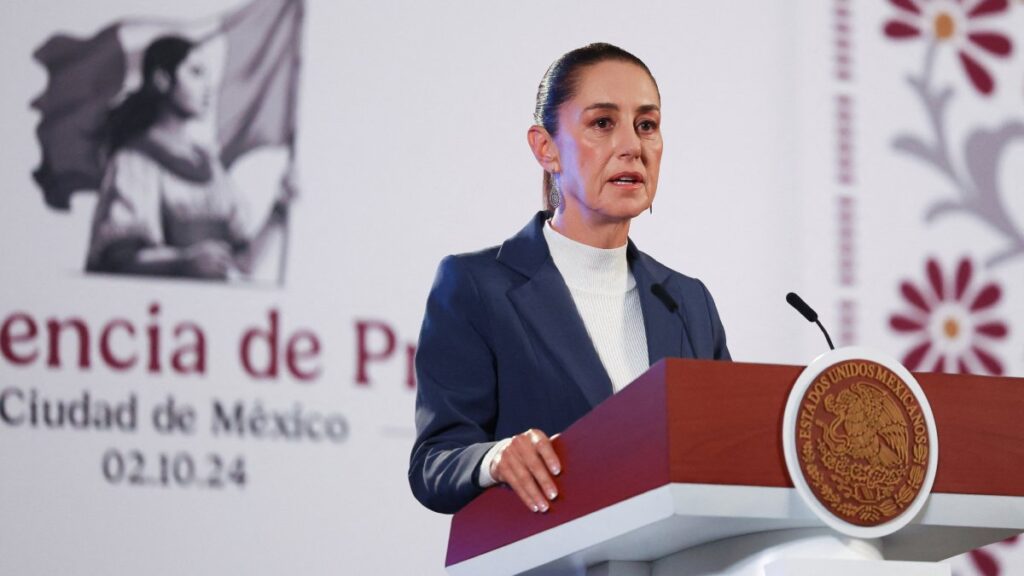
x: 868, y: 426
x: 856, y: 450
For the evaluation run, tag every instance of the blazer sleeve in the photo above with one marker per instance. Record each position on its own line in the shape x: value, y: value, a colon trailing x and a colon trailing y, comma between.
x: 456, y: 397
x: 720, y: 351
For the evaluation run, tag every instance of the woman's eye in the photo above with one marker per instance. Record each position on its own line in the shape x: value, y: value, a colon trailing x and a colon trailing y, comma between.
x: 647, y: 126
x: 603, y: 123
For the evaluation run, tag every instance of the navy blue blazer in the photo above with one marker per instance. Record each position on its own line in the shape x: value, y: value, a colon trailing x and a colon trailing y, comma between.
x: 503, y: 349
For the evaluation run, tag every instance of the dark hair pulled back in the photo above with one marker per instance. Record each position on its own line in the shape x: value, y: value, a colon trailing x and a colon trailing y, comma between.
x: 560, y: 84
x: 141, y: 109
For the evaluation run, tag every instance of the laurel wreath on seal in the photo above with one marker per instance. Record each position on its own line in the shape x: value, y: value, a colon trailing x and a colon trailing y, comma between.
x: 849, y: 475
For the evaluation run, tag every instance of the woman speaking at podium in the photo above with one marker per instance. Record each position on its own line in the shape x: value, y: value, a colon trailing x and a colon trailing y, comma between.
x: 520, y: 341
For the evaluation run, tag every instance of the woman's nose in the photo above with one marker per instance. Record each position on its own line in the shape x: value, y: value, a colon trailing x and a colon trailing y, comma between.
x: 628, y: 143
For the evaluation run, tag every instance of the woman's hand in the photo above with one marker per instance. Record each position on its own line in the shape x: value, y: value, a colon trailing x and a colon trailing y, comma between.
x: 527, y: 464
x: 207, y: 259
x: 287, y: 192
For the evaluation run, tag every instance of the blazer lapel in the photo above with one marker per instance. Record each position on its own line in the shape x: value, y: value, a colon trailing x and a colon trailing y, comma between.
x: 544, y: 303
x: 664, y: 329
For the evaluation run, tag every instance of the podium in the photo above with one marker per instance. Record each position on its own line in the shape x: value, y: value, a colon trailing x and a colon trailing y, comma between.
x: 683, y: 471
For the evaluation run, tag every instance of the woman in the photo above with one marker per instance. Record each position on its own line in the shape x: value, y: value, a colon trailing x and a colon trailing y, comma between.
x: 166, y: 206
x: 518, y: 342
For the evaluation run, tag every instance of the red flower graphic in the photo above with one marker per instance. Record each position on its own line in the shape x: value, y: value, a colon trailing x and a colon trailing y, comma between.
x: 952, y: 322
x: 986, y: 562
x: 954, y: 22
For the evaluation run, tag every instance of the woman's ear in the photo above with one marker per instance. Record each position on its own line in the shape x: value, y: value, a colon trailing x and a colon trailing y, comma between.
x: 544, y: 149
x: 162, y: 81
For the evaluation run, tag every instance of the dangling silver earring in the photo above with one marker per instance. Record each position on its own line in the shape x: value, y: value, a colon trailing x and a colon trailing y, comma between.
x: 650, y: 208
x: 554, y: 193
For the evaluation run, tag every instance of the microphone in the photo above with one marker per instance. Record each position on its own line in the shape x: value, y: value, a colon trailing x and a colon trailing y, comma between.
x: 662, y: 294
x: 808, y: 313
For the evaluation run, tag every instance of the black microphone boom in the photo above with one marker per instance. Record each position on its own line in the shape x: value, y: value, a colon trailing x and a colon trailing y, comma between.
x: 802, y: 307
x: 662, y: 294
x: 808, y: 313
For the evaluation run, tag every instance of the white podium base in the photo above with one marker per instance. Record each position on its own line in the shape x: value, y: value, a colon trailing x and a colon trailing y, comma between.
x: 716, y: 527
x: 802, y: 552
x: 806, y: 567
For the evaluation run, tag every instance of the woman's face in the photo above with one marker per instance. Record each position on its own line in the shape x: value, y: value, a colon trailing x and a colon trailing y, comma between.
x: 190, y: 95
x: 609, y: 142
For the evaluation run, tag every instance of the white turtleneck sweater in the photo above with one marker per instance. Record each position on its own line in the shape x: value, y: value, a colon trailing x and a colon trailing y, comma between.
x: 606, y: 298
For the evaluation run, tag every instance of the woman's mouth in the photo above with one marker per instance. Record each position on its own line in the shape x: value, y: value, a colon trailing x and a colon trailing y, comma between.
x: 627, y: 179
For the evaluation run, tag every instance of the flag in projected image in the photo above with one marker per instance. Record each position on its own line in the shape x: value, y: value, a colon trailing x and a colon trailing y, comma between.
x: 256, y: 98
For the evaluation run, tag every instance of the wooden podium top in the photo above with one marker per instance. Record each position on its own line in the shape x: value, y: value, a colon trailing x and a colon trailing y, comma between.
x: 720, y: 423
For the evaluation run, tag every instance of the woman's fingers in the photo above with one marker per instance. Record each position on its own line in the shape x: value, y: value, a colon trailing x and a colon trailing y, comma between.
x: 208, y: 259
x: 537, y: 466
x: 217, y: 256
x: 524, y: 484
x: 547, y: 452
x: 526, y: 465
x: 289, y: 189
